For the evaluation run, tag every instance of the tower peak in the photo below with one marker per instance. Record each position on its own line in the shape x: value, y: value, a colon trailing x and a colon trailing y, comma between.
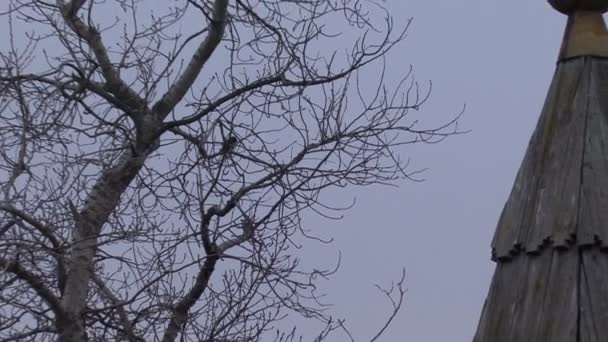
x: 551, y: 241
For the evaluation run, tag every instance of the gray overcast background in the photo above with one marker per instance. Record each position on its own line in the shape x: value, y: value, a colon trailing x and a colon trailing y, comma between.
x: 498, y: 57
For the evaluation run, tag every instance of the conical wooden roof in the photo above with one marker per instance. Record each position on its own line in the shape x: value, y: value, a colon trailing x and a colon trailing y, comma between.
x: 551, y: 243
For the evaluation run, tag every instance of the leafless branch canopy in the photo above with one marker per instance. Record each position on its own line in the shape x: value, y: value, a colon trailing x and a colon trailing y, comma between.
x: 157, y: 159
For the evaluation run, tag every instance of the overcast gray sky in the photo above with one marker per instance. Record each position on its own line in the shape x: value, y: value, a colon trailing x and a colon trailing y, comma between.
x: 498, y: 57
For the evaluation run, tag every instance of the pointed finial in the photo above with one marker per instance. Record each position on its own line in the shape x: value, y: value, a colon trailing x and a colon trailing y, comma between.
x: 586, y: 33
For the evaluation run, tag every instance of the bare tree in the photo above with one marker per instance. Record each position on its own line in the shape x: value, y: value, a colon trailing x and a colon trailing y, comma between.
x: 156, y: 162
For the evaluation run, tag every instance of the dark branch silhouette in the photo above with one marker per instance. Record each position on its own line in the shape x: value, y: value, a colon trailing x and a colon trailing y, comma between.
x: 156, y: 162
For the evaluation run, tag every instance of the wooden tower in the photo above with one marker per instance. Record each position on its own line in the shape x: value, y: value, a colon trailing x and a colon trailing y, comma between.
x: 551, y: 243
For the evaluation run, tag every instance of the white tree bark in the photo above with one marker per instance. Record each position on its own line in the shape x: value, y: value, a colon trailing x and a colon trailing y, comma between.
x: 106, y: 193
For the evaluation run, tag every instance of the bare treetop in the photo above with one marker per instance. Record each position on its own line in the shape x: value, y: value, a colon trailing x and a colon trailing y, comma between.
x: 158, y: 160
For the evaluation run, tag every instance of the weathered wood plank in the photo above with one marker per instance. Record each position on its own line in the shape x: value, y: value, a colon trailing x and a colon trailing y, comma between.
x: 514, y: 219
x: 558, y: 321
x: 595, y: 269
x: 557, y: 206
x: 543, y: 204
x: 588, y: 330
x: 497, y: 316
x: 531, y: 297
x: 593, y: 219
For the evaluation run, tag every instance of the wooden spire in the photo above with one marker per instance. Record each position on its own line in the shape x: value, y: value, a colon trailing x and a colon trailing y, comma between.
x: 551, y: 243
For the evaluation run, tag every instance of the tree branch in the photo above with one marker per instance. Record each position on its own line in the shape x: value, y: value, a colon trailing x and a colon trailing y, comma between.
x: 101, y: 202
x: 46, y: 231
x: 204, y: 51
x: 91, y: 36
x: 180, y: 311
x: 36, y: 282
x: 118, y: 305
